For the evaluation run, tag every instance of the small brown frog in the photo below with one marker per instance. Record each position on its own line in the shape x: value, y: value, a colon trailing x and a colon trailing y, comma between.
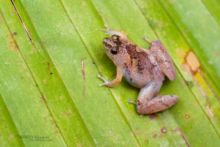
x: 144, y: 69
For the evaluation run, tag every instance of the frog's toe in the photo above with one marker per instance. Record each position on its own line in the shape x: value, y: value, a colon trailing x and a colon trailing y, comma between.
x: 145, y: 38
x: 103, y: 84
x: 101, y: 78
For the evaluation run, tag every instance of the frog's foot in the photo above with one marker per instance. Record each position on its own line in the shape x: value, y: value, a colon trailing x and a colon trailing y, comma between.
x: 132, y: 101
x: 105, y: 82
x: 149, y: 102
x: 145, y: 38
x: 105, y: 29
x: 156, y: 104
x: 108, y: 31
x: 114, y: 82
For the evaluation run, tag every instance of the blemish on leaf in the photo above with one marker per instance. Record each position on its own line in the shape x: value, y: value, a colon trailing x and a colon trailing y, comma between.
x: 178, y: 130
x: 42, y: 99
x: 186, y: 116
x: 192, y: 61
x: 67, y: 113
x: 49, y: 68
x: 137, y: 132
x: 163, y: 130
x: 155, y: 135
x: 132, y: 101
x: 209, y: 111
x: 61, y: 98
x: 83, y: 69
x: 22, y: 22
x: 14, y: 33
x: 11, y: 43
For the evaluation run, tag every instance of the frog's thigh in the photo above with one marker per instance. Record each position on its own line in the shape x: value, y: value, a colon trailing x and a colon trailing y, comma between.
x: 149, y: 91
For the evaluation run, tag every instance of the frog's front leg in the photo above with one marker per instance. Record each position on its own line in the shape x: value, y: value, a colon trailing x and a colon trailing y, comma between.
x: 149, y: 103
x: 114, y: 82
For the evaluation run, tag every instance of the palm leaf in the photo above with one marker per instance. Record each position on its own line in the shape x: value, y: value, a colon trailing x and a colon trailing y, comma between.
x: 51, y: 53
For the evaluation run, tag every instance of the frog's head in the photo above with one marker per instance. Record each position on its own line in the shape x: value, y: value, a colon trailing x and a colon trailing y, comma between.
x: 114, y: 41
x: 115, y: 46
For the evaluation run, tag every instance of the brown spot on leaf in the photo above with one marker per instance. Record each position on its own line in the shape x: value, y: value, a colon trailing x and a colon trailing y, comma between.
x: 192, y: 61
x: 155, y: 135
x: 163, y: 130
x: 83, y: 69
x: 49, y: 68
x: 67, y: 113
x: 186, y: 116
x: 209, y: 111
x: 12, y: 45
x: 15, y: 33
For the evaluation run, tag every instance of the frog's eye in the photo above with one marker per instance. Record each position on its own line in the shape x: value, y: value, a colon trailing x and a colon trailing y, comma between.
x: 114, y: 50
x: 115, y: 37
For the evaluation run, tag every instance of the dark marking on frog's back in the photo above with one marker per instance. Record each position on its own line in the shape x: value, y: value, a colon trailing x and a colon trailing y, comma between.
x: 138, y: 55
x: 131, y: 49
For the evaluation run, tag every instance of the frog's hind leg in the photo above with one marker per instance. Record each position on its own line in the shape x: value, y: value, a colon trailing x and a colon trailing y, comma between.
x: 157, y: 104
x: 148, y: 103
x: 160, y: 55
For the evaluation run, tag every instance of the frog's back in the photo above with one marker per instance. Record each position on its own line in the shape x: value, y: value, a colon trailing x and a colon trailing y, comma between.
x: 140, y: 71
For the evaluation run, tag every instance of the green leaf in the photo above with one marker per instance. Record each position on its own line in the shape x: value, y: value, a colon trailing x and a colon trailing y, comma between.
x: 51, y: 53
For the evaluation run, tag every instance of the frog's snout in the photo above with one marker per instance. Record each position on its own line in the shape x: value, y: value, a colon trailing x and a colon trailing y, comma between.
x: 107, y: 43
x: 105, y: 40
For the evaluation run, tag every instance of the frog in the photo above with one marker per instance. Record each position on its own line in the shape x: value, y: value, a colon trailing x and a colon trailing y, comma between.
x: 145, y: 69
